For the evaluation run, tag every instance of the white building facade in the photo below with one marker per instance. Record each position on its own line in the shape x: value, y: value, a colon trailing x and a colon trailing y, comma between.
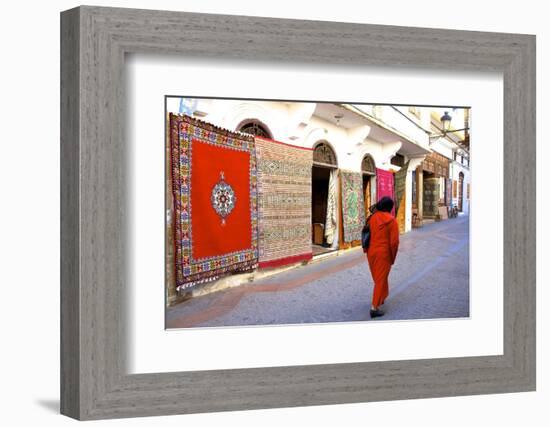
x: 455, y: 146
x: 388, y: 138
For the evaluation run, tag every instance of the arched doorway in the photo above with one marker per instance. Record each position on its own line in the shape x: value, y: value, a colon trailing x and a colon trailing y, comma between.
x: 368, y: 169
x: 254, y: 127
x: 324, y: 194
x: 324, y: 156
x: 460, y: 190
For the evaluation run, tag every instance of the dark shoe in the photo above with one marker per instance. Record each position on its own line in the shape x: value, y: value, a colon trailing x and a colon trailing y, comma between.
x: 376, y: 313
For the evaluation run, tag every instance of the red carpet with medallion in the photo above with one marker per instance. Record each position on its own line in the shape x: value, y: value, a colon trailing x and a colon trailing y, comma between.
x: 214, y: 188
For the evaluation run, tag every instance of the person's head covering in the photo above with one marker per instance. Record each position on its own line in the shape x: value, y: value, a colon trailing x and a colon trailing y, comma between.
x: 372, y: 208
x: 385, y: 204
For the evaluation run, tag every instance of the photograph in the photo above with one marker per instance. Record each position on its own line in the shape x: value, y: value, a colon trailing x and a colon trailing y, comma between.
x: 292, y: 212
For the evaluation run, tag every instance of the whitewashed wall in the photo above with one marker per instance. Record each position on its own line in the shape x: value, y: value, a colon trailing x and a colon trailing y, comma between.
x: 456, y: 168
x: 297, y: 124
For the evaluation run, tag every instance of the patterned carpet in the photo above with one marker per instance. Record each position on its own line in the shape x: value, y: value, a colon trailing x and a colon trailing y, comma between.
x: 284, y: 202
x: 214, y: 188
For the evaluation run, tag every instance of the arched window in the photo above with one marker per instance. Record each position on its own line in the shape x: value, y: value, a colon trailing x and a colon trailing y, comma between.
x: 324, y: 155
x: 398, y: 160
x: 367, y: 165
x: 255, y: 128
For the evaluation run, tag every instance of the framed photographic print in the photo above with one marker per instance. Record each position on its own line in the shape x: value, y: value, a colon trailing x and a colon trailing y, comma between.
x: 218, y: 173
x: 299, y: 218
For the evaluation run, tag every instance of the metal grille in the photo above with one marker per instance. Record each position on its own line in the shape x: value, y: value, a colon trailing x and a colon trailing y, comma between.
x: 367, y: 165
x: 324, y: 154
x: 255, y: 129
x: 398, y: 160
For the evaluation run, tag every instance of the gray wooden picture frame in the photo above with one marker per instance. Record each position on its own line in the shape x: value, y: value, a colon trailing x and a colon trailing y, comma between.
x: 94, y: 268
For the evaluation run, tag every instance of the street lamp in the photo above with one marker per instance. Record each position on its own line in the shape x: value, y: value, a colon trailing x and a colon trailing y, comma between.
x: 446, y: 126
x: 446, y: 122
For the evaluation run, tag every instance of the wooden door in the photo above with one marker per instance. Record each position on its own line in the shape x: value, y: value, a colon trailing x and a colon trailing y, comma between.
x: 460, y: 190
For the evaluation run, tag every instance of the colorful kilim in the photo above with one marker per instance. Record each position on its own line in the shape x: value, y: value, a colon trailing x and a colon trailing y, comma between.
x: 284, y: 200
x: 214, y: 187
x: 353, y: 205
x: 332, y: 207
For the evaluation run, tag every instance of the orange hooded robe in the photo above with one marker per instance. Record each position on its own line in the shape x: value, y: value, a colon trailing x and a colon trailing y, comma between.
x: 384, y: 243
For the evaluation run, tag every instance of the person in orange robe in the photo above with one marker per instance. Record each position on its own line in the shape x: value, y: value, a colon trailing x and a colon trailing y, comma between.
x: 382, y: 251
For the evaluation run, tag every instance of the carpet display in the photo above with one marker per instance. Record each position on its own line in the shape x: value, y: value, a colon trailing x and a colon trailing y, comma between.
x: 332, y: 207
x: 353, y: 205
x: 400, y: 181
x: 284, y: 200
x: 214, y: 188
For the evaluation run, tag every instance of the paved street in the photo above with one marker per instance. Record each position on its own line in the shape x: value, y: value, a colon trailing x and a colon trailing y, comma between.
x: 430, y: 279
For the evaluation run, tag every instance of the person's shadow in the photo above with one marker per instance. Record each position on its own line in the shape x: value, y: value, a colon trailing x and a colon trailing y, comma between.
x: 51, y: 405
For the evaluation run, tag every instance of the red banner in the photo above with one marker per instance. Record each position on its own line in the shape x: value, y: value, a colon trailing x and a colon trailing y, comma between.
x: 384, y: 186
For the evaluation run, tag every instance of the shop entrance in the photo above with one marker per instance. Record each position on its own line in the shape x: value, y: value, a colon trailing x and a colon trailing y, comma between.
x: 430, y: 196
x: 324, y: 200
x: 368, y: 169
x: 435, y: 186
x: 319, y: 192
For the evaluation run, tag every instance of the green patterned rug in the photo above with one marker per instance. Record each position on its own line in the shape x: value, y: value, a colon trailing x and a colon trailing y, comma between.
x: 353, y: 210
